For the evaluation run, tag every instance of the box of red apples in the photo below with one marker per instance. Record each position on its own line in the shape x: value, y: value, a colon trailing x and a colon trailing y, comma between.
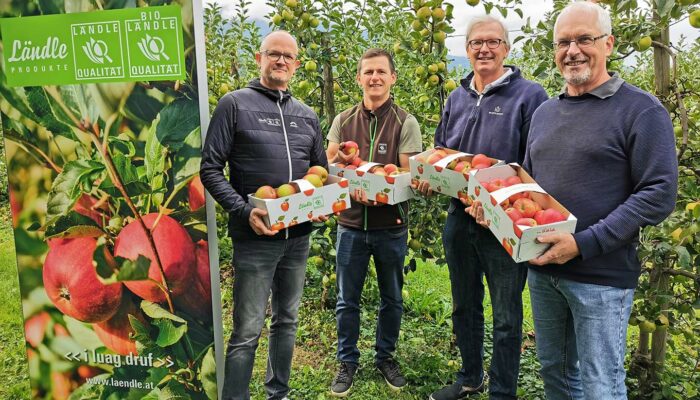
x: 518, y: 210
x: 448, y: 170
x: 318, y: 193
x: 383, y: 183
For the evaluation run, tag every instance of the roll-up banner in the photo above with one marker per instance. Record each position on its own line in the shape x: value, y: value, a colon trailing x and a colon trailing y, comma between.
x: 102, y: 124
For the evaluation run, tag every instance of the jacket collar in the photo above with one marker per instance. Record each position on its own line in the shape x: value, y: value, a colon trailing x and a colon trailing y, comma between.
x: 379, y: 112
x: 274, y: 95
x: 515, y: 74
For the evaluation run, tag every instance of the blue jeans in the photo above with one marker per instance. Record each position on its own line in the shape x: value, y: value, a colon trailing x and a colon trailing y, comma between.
x: 473, y: 252
x: 354, y: 247
x: 261, y: 267
x: 581, y: 332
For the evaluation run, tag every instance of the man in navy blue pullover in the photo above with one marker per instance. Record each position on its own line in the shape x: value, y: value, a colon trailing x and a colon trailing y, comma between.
x: 488, y: 113
x: 605, y: 149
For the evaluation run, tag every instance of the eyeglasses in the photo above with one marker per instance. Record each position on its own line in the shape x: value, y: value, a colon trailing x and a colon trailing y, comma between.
x: 490, y: 43
x: 275, y: 56
x: 581, y: 42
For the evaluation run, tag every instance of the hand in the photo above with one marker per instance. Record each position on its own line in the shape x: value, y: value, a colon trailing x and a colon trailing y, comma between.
x: 258, y: 224
x: 319, y: 218
x: 563, y: 249
x: 423, y: 187
x: 360, y: 196
x: 346, y: 159
x: 476, y: 211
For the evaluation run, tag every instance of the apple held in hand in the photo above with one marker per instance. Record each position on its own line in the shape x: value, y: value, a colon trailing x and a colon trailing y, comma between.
x: 266, y: 192
x: 349, y: 148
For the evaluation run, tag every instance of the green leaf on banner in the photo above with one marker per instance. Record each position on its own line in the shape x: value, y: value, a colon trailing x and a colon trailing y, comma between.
x: 67, y: 187
x: 39, y: 102
x: 168, y: 333
x: 154, y: 310
x: 77, y: 329
x: 134, y: 270
x: 16, y: 97
x: 142, y: 107
x: 129, y: 175
x: 28, y: 245
x: 51, y: 6
x: 174, y: 391
x: 177, y: 120
x: 154, y: 161
x: 73, y: 225
x: 188, y: 157
x: 208, y: 374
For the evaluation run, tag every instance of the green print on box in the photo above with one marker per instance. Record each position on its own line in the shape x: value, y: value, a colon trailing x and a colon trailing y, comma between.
x: 136, y: 44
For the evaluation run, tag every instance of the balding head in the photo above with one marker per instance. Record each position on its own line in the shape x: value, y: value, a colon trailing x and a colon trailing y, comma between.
x: 276, y: 37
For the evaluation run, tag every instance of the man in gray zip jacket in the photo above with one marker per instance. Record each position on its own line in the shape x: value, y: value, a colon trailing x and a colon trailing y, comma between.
x: 267, y: 138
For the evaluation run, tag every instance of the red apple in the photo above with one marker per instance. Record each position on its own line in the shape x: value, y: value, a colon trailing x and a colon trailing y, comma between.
x: 357, y: 162
x: 379, y: 171
x: 389, y: 168
x: 351, y: 166
x: 285, y: 190
x: 175, y: 250
x: 481, y: 159
x: 72, y: 284
x: 513, y: 180
x: 195, y: 193
x: 513, y: 214
x: 314, y: 180
x: 527, y: 207
x: 435, y: 157
x: 526, y: 222
x: 320, y: 171
x: 349, y: 148
x: 266, y: 192
x: 115, y: 333
x: 197, y: 301
x: 479, y: 166
x: 463, y: 167
x: 549, y: 216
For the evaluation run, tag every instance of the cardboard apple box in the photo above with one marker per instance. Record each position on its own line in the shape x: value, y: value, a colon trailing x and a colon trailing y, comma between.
x: 308, y: 202
x: 518, y: 240
x: 443, y: 180
x: 386, y: 189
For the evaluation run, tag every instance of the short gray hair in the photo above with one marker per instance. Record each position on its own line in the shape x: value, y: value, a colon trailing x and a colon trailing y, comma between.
x: 604, y: 23
x: 485, y: 19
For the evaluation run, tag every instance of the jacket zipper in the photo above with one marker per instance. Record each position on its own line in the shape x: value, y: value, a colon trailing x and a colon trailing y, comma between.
x: 289, y: 156
x: 372, y: 133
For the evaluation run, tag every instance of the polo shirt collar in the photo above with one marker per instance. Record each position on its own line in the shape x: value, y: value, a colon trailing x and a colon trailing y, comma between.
x: 508, y: 72
x: 605, y: 90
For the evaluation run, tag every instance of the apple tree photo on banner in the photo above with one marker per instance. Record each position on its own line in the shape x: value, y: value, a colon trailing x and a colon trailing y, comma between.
x: 101, y: 125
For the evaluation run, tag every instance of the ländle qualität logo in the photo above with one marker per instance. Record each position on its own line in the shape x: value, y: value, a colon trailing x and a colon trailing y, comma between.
x: 137, y: 44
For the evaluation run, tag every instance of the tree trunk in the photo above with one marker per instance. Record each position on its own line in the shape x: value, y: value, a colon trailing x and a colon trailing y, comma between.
x: 328, y: 98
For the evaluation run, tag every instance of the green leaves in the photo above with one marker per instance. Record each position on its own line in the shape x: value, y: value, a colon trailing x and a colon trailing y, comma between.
x: 73, y: 225
x: 76, y: 177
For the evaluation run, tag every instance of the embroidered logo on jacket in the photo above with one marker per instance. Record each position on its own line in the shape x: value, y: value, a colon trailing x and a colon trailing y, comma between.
x: 293, y: 124
x: 381, y: 148
x: 270, y: 121
x: 496, y: 111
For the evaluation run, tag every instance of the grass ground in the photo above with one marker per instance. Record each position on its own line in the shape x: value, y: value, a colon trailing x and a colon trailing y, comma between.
x: 426, y: 349
x: 13, y: 363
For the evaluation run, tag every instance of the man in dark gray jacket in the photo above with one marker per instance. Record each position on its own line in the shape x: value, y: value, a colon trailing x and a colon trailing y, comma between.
x: 267, y: 138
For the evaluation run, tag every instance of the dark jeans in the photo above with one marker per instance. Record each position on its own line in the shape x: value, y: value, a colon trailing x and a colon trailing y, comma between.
x: 261, y: 268
x: 354, y: 247
x: 473, y: 252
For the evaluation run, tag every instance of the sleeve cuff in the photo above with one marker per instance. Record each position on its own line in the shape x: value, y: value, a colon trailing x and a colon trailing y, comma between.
x: 587, y: 244
x: 245, y: 212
